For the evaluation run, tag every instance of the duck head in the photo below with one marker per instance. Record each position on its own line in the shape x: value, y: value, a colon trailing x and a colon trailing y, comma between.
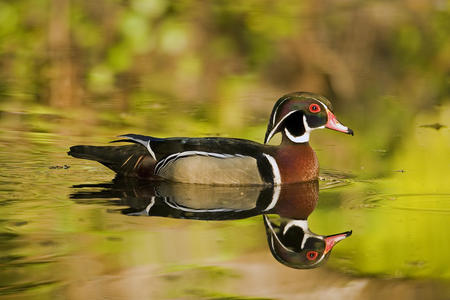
x: 295, y: 115
x: 294, y: 245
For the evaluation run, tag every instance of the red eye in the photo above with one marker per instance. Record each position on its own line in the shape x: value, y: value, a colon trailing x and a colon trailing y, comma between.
x: 314, y: 108
x: 311, y: 255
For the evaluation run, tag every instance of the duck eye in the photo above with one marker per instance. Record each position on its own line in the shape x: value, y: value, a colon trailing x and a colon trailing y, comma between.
x: 314, y: 108
x: 311, y: 255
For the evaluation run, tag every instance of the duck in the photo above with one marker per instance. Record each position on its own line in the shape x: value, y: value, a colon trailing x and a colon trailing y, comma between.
x: 227, y: 161
x: 293, y: 244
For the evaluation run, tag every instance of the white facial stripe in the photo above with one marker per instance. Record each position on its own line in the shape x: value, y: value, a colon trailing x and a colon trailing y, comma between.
x: 309, y: 129
x: 305, y: 237
x: 275, y: 112
x: 273, y: 234
x: 306, y: 125
x: 275, y: 170
x: 326, y: 107
x: 278, y: 124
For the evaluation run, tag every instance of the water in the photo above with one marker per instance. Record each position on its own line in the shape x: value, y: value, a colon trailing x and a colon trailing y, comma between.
x: 62, y: 240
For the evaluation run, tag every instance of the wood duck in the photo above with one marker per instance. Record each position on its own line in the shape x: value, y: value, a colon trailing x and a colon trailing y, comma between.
x: 228, y: 161
x: 294, y: 245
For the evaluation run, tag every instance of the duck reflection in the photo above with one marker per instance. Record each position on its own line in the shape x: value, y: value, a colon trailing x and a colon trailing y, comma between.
x: 289, y: 238
x: 294, y: 245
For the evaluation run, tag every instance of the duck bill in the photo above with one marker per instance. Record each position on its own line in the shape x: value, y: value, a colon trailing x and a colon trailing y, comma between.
x: 331, y: 240
x: 334, y: 124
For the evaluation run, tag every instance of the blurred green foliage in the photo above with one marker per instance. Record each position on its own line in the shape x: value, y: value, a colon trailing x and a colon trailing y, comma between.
x: 354, y: 52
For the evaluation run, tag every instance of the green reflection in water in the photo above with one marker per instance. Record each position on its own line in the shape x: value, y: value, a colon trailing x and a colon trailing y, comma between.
x: 395, y: 201
x: 400, y: 220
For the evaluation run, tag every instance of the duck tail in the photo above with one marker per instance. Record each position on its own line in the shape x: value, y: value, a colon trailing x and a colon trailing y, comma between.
x: 129, y: 160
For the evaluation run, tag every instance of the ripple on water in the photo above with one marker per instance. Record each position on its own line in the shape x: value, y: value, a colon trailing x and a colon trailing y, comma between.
x: 427, y: 203
x: 334, y: 178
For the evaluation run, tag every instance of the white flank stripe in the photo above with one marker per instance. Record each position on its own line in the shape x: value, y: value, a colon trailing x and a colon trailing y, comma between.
x: 173, y: 157
x: 187, y: 209
x: 275, y: 169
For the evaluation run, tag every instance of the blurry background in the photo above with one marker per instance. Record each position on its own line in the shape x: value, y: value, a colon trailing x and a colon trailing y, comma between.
x: 377, y: 58
x: 82, y: 71
x: 217, y: 67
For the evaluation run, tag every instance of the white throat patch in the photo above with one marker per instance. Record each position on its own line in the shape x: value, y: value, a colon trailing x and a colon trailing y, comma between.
x: 302, y: 138
x: 303, y: 224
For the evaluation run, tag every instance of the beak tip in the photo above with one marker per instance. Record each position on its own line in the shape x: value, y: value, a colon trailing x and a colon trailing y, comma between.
x: 350, y: 132
x: 349, y: 233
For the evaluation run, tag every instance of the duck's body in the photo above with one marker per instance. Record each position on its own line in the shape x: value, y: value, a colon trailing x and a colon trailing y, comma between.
x: 227, y: 161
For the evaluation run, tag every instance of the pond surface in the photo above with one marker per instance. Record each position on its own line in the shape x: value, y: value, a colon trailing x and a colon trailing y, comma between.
x: 66, y: 231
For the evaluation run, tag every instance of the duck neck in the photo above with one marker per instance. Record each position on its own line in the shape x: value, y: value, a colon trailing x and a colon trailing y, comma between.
x: 290, y: 139
x: 297, y: 132
x: 297, y: 162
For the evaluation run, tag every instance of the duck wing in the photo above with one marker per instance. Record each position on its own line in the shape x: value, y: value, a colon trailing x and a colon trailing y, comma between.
x: 210, y: 160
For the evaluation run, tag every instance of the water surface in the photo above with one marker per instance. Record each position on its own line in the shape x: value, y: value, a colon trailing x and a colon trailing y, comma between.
x: 55, y: 246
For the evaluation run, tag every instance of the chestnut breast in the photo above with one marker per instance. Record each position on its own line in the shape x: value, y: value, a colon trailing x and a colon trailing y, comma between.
x: 297, y: 163
x: 297, y: 201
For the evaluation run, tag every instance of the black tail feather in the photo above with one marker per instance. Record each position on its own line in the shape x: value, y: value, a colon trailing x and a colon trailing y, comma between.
x: 130, y: 160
